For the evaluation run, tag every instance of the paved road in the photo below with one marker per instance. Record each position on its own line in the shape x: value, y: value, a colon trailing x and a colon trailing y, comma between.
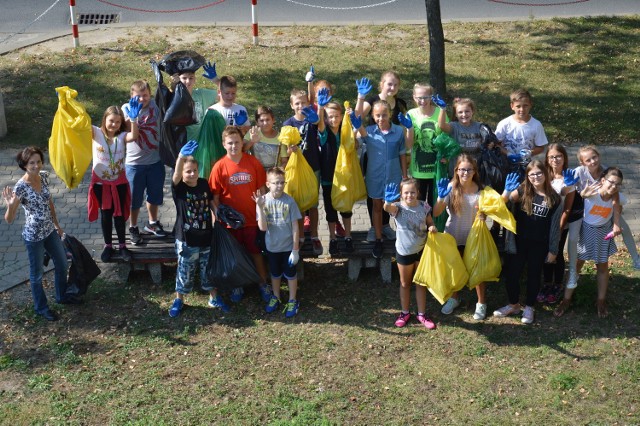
x: 30, y: 21
x: 71, y: 206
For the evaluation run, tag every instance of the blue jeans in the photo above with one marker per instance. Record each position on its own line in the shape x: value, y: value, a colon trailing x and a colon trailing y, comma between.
x: 189, y: 259
x: 35, y: 250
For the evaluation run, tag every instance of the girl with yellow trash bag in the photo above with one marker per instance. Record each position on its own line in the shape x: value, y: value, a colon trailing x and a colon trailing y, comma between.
x: 460, y: 198
x: 413, y: 220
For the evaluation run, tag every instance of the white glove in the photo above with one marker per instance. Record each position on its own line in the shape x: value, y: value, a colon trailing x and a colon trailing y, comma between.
x: 294, y: 257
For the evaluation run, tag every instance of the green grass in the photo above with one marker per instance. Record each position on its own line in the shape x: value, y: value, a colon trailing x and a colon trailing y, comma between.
x: 583, y: 72
x: 122, y: 360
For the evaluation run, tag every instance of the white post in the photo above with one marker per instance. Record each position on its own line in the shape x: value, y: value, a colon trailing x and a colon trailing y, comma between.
x: 254, y: 21
x: 74, y: 23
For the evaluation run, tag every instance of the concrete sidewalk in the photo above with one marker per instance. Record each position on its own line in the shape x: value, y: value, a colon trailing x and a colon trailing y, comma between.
x: 71, y: 206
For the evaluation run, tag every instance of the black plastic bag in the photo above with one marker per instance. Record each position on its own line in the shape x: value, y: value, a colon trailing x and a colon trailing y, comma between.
x: 182, y: 109
x: 83, y: 268
x: 172, y: 138
x: 230, y: 266
x: 181, y: 61
x: 492, y: 163
x: 230, y: 216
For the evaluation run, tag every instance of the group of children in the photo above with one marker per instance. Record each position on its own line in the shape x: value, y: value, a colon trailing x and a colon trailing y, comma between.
x: 552, y: 204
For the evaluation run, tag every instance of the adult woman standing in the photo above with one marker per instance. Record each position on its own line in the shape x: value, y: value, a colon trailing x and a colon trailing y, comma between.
x: 41, y: 229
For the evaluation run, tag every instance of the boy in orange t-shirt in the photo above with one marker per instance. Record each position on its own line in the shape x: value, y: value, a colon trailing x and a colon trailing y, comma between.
x: 234, y: 180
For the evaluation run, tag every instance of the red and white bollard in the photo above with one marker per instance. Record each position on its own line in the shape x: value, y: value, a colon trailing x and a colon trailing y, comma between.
x: 254, y: 21
x: 74, y: 23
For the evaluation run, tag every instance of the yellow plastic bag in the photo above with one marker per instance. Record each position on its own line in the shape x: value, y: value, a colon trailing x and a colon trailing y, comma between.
x: 70, y: 141
x: 481, y: 256
x: 492, y: 204
x: 348, y: 182
x: 441, y: 268
x: 301, y: 181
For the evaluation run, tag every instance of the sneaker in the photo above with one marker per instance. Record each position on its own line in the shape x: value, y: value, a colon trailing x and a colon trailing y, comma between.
x: 317, y: 246
x: 273, y: 304
x: 237, y: 294
x: 378, y: 248
x: 155, y: 228
x: 176, y: 308
x: 218, y: 303
x: 527, y: 315
x: 402, y: 319
x: 371, y: 235
x: 505, y: 311
x: 49, y: 315
x: 333, y: 248
x: 348, y: 245
x: 481, y: 312
x: 134, y: 235
x: 265, y: 292
x: 339, y: 230
x: 426, y: 321
x: 389, y: 233
x: 307, y: 225
x: 450, y: 305
x: 291, y: 309
x: 106, y: 254
x: 636, y: 263
x: 125, y: 254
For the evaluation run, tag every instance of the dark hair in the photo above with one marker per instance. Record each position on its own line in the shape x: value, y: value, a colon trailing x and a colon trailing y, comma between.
x: 264, y: 109
x: 228, y: 82
x: 112, y: 110
x: 23, y: 156
x: 409, y: 181
x: 612, y: 171
x: 562, y: 150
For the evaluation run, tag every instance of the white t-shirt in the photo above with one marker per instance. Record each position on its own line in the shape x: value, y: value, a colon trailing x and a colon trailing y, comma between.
x: 227, y: 113
x: 516, y: 136
x: 108, y: 159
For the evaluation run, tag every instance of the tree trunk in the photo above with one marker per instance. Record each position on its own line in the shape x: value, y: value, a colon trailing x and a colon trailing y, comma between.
x: 437, y: 77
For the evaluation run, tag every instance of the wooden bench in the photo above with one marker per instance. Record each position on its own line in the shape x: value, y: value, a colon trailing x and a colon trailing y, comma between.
x: 362, y: 256
x: 156, y: 251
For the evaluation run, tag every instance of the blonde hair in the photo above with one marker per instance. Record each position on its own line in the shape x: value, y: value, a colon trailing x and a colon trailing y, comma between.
x: 584, y: 149
x: 112, y: 110
x: 387, y: 74
x: 140, y: 86
x: 296, y: 93
x: 230, y: 131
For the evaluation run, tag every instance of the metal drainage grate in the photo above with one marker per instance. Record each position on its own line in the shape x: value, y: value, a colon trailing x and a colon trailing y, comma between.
x: 98, y: 18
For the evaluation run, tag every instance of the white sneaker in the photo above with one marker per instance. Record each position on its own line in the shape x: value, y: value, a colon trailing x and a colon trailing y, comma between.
x: 371, y: 235
x: 481, y: 311
x: 527, y: 315
x: 388, y: 232
x: 572, y: 281
x: 636, y: 263
x: 451, y: 304
x: 507, y: 310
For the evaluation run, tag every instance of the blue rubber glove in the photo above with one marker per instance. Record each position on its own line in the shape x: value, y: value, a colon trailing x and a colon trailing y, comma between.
x: 356, y: 122
x: 294, y: 257
x: 240, y: 117
x: 512, y: 183
x: 310, y: 115
x: 364, y: 86
x: 443, y: 188
x: 405, y: 120
x: 134, y: 108
x: 189, y: 148
x: 391, y: 192
x: 436, y: 99
x: 514, y: 158
x: 311, y: 75
x: 209, y: 71
x: 324, y: 97
x: 570, y: 177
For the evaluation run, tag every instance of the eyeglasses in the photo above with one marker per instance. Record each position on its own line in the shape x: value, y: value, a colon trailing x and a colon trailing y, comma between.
x: 616, y: 184
x: 465, y: 171
x: 535, y: 175
x: 555, y: 157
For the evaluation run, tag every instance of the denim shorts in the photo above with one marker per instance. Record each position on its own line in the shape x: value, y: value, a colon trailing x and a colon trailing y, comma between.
x: 149, y: 177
